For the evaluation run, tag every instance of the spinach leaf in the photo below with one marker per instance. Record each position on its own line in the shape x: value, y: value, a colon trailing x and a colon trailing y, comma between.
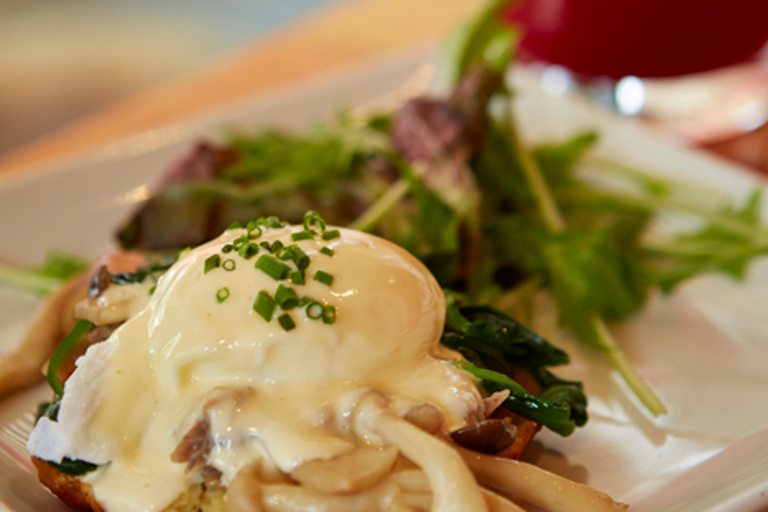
x: 496, y: 346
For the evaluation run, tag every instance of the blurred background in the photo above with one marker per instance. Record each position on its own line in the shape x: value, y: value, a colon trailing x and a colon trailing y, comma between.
x: 62, y: 60
x: 696, y: 70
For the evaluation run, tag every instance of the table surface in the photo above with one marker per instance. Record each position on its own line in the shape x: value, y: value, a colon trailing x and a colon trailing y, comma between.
x: 339, y: 35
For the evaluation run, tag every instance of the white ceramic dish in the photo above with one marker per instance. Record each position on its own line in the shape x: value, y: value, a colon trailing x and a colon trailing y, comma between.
x: 705, y: 350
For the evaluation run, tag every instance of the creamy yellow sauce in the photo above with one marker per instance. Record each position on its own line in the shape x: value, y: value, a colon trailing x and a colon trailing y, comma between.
x: 134, y: 396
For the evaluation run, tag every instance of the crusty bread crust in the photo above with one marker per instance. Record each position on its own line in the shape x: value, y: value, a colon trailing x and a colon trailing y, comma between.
x: 78, y: 494
x: 69, y: 489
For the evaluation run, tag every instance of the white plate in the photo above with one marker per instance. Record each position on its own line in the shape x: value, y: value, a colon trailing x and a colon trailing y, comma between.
x: 705, y: 350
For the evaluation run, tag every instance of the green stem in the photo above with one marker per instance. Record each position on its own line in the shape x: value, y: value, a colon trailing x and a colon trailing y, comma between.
x: 555, y: 223
x: 381, y: 206
x: 627, y: 371
x: 716, y: 219
x: 541, y: 193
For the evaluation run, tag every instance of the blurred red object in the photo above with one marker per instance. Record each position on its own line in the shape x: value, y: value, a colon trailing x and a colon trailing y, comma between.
x: 645, y: 38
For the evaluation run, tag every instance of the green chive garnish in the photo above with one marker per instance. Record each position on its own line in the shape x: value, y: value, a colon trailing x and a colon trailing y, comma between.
x: 222, y: 294
x: 274, y: 222
x: 323, y: 277
x: 254, y: 231
x: 238, y: 242
x: 315, y: 310
x: 152, y: 290
x: 293, y: 252
x: 286, y: 322
x: 312, y: 220
x: 248, y: 251
x: 272, y: 267
x: 305, y: 300
x: 227, y: 248
x: 297, y: 277
x: 228, y: 265
x: 286, y: 297
x: 234, y: 225
x: 275, y: 247
x: 327, y: 251
x: 302, y: 235
x: 329, y: 315
x: 330, y: 235
x: 264, y: 305
x: 211, y: 263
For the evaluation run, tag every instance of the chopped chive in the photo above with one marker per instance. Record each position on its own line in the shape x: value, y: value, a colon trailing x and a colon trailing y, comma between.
x: 302, y: 235
x: 287, y: 254
x: 234, y: 225
x: 261, y: 221
x: 323, y: 277
x: 228, y: 265
x: 305, y: 300
x: 238, y: 242
x: 222, y: 294
x: 253, y: 227
x: 227, y: 248
x: 211, y: 263
x: 327, y: 251
x: 329, y: 315
x: 274, y: 222
x: 286, y: 322
x: 248, y: 250
x: 272, y: 267
x: 286, y: 297
x: 266, y: 245
x: 152, y: 290
x: 315, y: 310
x: 299, y: 257
x: 277, y: 247
x: 183, y: 252
x: 330, y: 235
x: 264, y: 305
x: 313, y: 219
x: 297, y: 277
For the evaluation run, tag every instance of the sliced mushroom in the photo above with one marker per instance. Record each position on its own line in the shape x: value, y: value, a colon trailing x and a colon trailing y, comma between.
x: 489, y: 436
x: 534, y: 485
x: 425, y: 416
x: 349, y: 473
x: 195, y: 446
x: 292, y: 498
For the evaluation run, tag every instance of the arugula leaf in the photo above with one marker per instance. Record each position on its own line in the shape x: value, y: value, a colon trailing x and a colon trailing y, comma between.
x: 557, y: 161
x: 713, y: 249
